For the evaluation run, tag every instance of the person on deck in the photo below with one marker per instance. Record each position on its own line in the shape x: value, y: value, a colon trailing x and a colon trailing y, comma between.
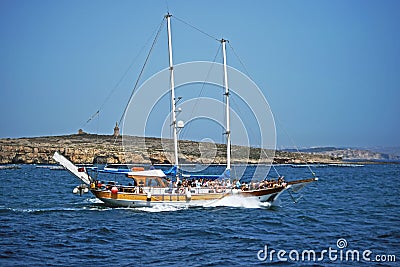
x: 238, y: 184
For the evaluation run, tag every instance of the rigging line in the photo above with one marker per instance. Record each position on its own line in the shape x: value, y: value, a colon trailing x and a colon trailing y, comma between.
x: 142, y: 70
x: 166, y: 3
x: 201, y: 91
x: 248, y: 74
x: 197, y: 29
x: 293, y: 144
x: 253, y: 135
x: 235, y: 175
x: 119, y: 81
x: 240, y: 61
x: 91, y: 117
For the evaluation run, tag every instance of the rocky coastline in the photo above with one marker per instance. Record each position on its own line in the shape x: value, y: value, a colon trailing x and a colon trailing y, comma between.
x: 92, y: 149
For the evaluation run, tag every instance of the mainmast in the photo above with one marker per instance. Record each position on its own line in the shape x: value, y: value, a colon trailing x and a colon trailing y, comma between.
x: 228, y: 130
x: 172, y: 84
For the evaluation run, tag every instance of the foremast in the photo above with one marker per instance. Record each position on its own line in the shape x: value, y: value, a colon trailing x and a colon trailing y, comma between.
x: 172, y: 85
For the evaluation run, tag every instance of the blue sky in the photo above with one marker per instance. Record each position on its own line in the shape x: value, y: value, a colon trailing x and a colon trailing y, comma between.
x: 329, y: 69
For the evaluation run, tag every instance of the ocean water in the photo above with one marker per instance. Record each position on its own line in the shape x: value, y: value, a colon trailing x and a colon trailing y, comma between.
x: 349, y: 209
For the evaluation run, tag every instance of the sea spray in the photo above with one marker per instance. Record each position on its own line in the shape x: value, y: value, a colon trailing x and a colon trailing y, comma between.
x: 236, y: 202
x: 161, y: 208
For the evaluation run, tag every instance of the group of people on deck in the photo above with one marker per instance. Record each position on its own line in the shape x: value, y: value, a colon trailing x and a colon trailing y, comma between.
x: 268, y: 183
x: 220, y: 185
x: 183, y: 185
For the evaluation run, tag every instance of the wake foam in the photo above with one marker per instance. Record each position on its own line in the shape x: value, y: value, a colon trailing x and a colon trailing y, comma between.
x: 41, y: 210
x: 239, y: 202
x: 93, y: 201
x: 161, y: 208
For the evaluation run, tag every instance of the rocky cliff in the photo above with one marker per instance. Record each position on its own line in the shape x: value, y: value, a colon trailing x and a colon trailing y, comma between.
x: 361, y: 155
x: 355, y: 154
x: 89, y: 148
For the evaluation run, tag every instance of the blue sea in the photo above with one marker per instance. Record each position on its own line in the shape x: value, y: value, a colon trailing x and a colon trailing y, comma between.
x: 349, y: 210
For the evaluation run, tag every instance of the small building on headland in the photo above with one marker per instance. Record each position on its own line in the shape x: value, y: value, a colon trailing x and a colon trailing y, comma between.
x: 116, y: 130
x: 115, y: 134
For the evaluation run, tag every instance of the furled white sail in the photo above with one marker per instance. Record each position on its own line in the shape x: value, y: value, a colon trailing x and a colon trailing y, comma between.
x: 83, y: 176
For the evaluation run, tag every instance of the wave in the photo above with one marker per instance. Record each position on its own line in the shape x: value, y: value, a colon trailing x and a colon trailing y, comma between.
x: 93, y: 204
x: 41, y: 210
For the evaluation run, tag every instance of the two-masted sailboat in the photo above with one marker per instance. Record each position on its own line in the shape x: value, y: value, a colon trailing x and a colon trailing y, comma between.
x: 152, y: 187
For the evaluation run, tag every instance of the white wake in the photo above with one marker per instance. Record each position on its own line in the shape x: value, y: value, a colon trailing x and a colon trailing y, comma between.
x: 238, y: 202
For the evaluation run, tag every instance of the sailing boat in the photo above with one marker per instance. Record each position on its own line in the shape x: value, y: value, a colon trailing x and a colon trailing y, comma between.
x: 153, y: 187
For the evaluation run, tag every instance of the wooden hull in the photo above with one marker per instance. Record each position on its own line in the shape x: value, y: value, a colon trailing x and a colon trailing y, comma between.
x: 151, y: 197
x: 122, y: 199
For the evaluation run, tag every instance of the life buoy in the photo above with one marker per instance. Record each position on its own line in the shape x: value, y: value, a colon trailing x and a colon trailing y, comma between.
x: 114, y: 190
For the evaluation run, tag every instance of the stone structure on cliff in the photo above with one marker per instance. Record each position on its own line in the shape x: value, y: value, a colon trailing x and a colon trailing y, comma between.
x: 116, y: 130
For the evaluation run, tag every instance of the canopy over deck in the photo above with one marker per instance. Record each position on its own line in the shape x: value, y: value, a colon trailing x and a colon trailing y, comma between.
x: 148, y: 173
